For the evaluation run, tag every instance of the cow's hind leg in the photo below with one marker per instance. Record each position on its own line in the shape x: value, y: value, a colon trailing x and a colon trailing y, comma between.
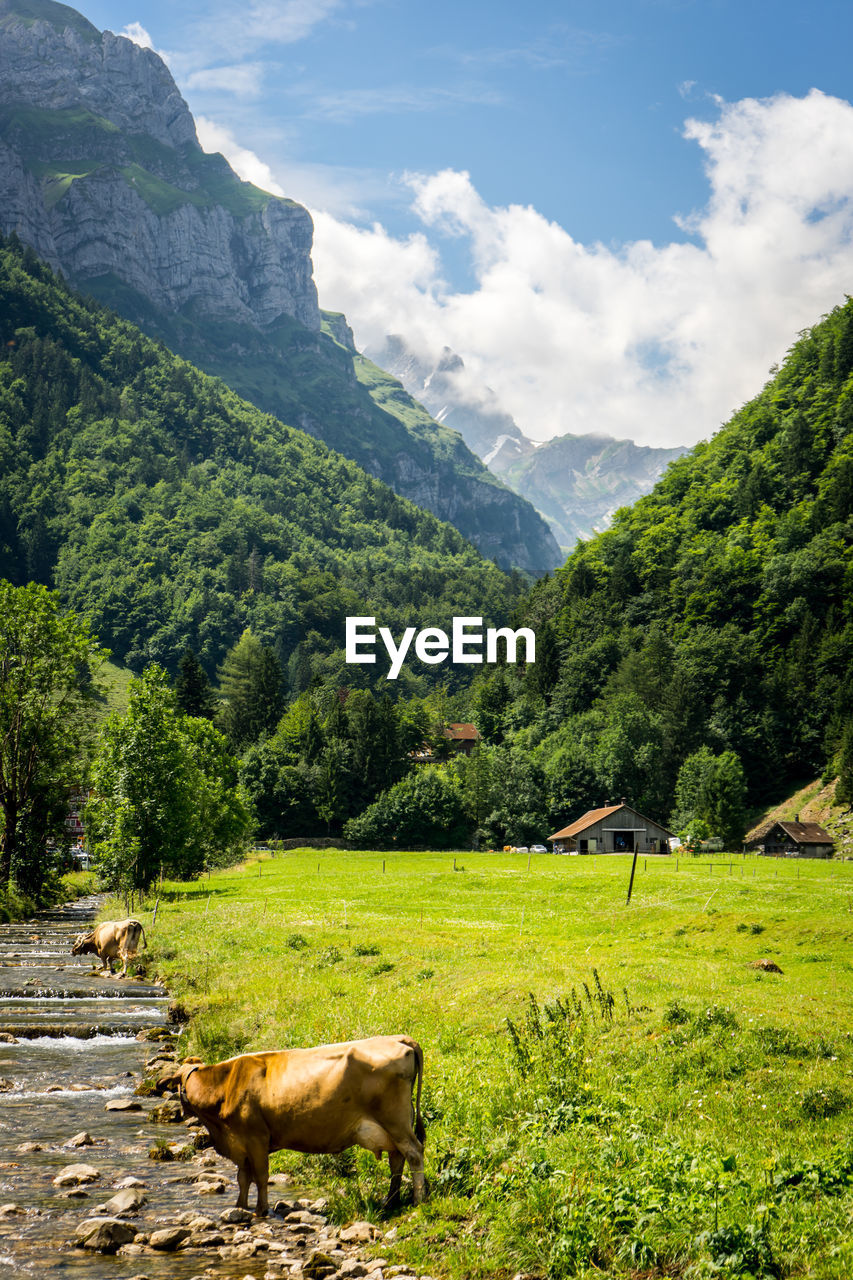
x: 397, y: 1163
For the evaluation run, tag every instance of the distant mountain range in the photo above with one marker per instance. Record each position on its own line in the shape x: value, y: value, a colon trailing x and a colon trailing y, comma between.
x: 102, y: 174
x: 576, y: 482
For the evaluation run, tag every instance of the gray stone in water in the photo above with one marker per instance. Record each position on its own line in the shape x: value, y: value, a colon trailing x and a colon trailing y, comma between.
x: 130, y: 1181
x: 80, y: 1140
x: 204, y: 1240
x: 236, y: 1215
x: 6, y: 1037
x: 123, y: 1104
x: 128, y: 1200
x: 200, y: 1223
x: 166, y: 1113
x: 104, y: 1234
x: 27, y: 1148
x: 10, y: 1210
x: 75, y: 1174
x: 168, y: 1239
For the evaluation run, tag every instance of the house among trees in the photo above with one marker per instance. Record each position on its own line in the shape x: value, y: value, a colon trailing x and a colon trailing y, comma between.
x: 615, y: 828
x: 460, y: 739
x: 793, y: 840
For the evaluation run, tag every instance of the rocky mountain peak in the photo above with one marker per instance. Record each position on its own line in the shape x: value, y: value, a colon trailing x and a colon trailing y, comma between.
x: 54, y: 59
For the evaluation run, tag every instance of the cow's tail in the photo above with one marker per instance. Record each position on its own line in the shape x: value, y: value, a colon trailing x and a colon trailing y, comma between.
x: 420, y: 1131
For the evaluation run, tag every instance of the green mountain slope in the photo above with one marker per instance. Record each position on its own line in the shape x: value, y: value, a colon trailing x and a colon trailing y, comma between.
x: 717, y: 611
x: 175, y: 513
x: 102, y: 174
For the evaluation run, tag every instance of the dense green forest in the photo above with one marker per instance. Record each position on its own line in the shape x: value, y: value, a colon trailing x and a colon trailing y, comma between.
x: 715, y: 615
x: 175, y: 515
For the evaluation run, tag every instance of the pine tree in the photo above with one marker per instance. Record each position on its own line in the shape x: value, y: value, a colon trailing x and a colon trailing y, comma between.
x: 250, y: 681
x: 192, y: 688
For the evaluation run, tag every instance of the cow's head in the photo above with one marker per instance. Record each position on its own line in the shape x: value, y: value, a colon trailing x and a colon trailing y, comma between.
x: 84, y: 944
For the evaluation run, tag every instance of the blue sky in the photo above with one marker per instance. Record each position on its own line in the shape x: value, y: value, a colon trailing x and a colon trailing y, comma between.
x: 418, y: 135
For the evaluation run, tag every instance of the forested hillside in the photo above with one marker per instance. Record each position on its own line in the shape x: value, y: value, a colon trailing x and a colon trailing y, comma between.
x: 716, y: 613
x: 174, y: 514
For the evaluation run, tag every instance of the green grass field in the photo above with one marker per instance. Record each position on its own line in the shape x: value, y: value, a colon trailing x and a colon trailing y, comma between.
x: 657, y: 1107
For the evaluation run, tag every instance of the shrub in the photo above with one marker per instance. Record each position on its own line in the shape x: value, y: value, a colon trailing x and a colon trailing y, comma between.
x: 820, y: 1104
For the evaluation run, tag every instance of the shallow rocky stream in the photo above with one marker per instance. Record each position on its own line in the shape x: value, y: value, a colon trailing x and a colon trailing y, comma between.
x: 80, y: 1192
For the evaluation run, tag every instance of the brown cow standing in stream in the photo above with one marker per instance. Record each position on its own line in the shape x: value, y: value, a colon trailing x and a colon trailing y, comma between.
x: 109, y: 940
x: 319, y: 1101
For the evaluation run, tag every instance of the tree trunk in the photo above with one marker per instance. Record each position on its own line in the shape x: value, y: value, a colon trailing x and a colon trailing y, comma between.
x: 9, y: 841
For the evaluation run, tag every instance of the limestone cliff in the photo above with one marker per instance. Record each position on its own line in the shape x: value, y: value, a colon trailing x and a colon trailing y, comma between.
x: 101, y: 172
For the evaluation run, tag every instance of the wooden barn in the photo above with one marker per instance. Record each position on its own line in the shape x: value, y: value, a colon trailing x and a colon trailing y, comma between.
x: 616, y: 828
x: 794, y: 840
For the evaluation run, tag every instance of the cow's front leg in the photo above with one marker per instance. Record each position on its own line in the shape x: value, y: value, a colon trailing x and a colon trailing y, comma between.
x: 397, y: 1163
x: 244, y: 1181
x: 261, y: 1163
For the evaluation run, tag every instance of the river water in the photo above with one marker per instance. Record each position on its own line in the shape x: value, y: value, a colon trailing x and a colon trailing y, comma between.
x: 68, y: 1046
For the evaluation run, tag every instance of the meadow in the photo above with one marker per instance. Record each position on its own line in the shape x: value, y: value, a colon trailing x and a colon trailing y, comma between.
x: 609, y: 1089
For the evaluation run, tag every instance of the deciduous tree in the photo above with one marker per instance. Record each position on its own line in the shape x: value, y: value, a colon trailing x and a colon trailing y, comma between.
x: 47, y: 700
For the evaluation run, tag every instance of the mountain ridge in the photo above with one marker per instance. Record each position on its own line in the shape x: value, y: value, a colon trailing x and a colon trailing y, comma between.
x: 103, y: 176
x: 576, y: 482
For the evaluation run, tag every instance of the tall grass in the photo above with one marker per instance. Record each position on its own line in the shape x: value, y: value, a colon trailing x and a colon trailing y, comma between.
x: 608, y: 1090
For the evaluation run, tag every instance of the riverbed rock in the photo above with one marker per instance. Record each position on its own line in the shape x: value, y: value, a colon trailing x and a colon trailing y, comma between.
x: 28, y: 1148
x: 104, y: 1234
x: 318, y: 1265
x: 128, y: 1200
x: 80, y: 1140
x: 359, y: 1233
x: 73, y: 1175
x: 168, y: 1238
x: 236, y: 1215
x: 204, y: 1240
x: 130, y: 1181
x: 166, y: 1113
x: 6, y: 1037
x: 123, y: 1104
x: 11, y: 1210
x: 161, y: 1154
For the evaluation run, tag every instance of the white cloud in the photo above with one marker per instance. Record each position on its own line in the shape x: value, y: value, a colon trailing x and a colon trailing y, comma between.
x: 136, y: 32
x: 243, y: 79
x: 346, y: 105
x: 245, y: 163
x: 660, y: 344
x: 287, y: 21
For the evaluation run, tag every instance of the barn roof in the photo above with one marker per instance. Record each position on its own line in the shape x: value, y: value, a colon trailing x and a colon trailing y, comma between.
x: 461, y: 732
x: 588, y: 819
x: 596, y: 815
x: 805, y: 832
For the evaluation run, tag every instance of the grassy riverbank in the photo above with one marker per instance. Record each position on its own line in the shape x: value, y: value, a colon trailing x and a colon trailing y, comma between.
x: 658, y: 1108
